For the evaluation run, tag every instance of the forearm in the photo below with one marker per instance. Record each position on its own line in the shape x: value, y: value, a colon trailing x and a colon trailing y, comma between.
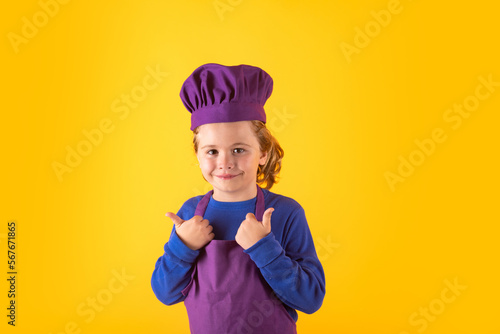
x: 299, y: 283
x: 173, y: 271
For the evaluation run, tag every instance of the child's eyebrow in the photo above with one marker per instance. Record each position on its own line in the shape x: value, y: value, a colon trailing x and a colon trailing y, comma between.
x: 206, y: 146
x: 214, y: 146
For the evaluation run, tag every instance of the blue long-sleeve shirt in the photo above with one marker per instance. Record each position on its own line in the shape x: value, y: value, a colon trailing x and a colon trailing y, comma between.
x: 286, y: 257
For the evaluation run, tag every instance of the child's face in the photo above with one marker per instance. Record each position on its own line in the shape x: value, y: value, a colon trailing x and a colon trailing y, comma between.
x: 229, y: 156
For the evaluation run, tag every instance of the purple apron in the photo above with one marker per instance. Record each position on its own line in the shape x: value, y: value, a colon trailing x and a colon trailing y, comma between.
x: 227, y: 293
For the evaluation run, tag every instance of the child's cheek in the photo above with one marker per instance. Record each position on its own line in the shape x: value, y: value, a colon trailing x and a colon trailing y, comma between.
x: 207, y: 166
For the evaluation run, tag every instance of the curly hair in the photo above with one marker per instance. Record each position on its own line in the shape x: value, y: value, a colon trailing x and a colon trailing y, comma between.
x: 267, y: 175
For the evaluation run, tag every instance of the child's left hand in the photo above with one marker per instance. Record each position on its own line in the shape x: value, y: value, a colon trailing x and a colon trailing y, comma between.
x: 251, y: 230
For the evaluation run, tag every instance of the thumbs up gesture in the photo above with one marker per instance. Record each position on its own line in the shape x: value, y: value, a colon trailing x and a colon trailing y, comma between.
x: 251, y: 230
x: 194, y: 233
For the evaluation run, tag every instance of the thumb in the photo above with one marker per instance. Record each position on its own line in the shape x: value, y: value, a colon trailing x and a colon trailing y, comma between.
x: 175, y: 219
x: 266, y: 218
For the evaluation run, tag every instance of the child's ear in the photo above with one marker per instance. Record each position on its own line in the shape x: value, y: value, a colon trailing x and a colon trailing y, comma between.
x: 263, y: 158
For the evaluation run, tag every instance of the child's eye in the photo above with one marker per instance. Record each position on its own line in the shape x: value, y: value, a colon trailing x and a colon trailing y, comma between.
x: 212, y: 152
x: 238, y: 150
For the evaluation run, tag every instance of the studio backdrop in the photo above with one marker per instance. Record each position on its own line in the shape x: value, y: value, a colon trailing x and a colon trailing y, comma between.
x: 387, y: 111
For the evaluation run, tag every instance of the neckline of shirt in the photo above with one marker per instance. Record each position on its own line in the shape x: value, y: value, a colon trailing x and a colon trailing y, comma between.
x: 232, y: 205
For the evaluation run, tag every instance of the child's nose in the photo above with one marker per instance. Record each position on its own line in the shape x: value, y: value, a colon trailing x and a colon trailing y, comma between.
x: 225, y: 161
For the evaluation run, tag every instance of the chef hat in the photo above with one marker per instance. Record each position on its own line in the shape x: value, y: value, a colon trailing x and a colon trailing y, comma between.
x: 215, y: 93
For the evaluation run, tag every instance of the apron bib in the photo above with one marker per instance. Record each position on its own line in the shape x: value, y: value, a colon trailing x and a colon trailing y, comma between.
x: 227, y: 293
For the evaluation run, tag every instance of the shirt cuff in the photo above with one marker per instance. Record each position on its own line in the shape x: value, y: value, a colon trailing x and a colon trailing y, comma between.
x: 176, y: 247
x: 265, y: 251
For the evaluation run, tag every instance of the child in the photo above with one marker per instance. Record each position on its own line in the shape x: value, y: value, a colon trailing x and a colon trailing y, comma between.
x: 241, y: 257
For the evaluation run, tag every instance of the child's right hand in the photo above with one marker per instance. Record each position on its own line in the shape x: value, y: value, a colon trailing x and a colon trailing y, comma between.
x: 194, y: 233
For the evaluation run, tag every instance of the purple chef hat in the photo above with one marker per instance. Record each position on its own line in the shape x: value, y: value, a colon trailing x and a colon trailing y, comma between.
x: 216, y: 93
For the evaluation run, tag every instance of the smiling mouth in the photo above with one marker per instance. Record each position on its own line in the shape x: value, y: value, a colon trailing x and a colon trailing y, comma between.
x: 226, y: 176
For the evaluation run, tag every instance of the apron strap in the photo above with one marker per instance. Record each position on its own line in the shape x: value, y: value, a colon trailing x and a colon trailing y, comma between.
x: 202, y: 205
x: 259, y: 205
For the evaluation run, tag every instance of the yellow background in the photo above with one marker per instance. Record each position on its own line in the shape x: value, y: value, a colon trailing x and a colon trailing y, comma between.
x: 343, y: 122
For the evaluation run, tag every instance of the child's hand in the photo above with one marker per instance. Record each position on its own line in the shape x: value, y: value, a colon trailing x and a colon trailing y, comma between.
x: 194, y: 233
x: 251, y: 230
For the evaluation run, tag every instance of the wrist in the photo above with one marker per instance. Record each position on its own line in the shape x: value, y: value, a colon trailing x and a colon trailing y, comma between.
x: 265, y: 250
x: 180, y: 250
x: 187, y: 243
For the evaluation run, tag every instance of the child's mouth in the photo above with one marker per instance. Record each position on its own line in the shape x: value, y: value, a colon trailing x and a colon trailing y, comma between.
x: 226, y: 176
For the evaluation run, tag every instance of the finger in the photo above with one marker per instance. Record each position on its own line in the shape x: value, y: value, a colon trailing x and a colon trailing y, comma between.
x: 266, y: 219
x: 175, y: 219
x: 250, y: 216
x: 198, y: 218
